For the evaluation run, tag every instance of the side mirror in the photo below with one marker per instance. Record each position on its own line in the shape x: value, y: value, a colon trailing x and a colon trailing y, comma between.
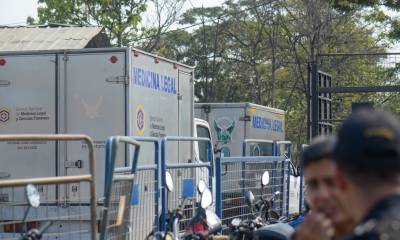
x: 236, y: 222
x: 33, y: 196
x: 206, y: 198
x: 249, y: 197
x: 298, y: 171
x: 201, y: 186
x: 169, y: 182
x: 265, y: 179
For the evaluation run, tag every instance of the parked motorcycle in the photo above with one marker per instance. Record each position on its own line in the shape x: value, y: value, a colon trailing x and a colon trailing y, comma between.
x: 265, y: 223
x: 205, y: 217
x: 33, y: 197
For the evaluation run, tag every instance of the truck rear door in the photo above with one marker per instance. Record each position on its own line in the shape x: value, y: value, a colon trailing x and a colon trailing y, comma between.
x: 93, y: 104
x: 27, y: 105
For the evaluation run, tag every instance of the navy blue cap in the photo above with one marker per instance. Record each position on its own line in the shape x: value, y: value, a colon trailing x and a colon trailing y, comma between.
x: 369, y: 142
x: 320, y: 148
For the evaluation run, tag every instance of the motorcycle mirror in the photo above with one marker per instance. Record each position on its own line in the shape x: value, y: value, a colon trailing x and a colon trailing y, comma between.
x: 201, y: 186
x: 236, y: 222
x: 33, y: 196
x: 206, y: 198
x: 265, y: 179
x: 249, y: 198
x: 169, y: 182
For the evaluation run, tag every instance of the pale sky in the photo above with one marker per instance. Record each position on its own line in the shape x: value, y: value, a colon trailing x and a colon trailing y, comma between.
x: 15, y: 12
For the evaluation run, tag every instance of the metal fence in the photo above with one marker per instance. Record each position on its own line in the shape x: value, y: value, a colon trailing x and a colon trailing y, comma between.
x: 144, y: 201
x: 184, y: 173
x: 236, y: 175
x: 68, y: 203
x: 116, y: 220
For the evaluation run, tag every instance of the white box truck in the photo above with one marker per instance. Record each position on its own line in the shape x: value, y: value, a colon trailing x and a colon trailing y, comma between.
x: 232, y: 124
x: 97, y: 92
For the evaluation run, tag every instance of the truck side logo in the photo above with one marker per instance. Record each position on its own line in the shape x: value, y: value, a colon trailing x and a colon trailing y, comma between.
x: 5, y: 116
x: 224, y: 127
x: 140, y: 119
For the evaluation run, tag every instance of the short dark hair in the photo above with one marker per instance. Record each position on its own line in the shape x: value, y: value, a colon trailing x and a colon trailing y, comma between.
x: 320, y: 148
x: 369, y: 145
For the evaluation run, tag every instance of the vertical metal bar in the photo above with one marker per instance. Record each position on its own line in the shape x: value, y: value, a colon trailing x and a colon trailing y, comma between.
x: 242, y: 185
x: 243, y: 175
x: 218, y: 192
x: 282, y: 186
x: 274, y: 178
x: 157, y: 184
x: 288, y: 189
x: 212, y: 162
x: 314, y: 100
x: 107, y: 174
x: 275, y: 149
x: 135, y: 159
x: 301, y: 191
x: 163, y: 169
x: 110, y: 155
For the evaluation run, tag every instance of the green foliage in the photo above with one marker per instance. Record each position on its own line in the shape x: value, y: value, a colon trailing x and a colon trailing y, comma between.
x: 233, y: 47
x: 119, y: 18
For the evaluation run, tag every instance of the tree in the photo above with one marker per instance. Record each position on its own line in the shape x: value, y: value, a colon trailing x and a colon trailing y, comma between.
x: 167, y: 13
x: 119, y: 18
x: 259, y: 51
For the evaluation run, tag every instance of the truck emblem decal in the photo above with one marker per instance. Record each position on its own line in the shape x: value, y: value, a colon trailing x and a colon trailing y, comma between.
x: 224, y: 127
x: 92, y: 110
x: 5, y: 116
x: 140, y: 119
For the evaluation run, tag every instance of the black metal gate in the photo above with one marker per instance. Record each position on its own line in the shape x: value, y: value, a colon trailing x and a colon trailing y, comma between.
x: 365, y: 76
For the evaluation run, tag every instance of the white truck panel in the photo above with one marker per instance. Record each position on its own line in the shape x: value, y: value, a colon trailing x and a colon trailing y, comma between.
x: 92, y: 103
x: 23, y: 78
x: 161, y: 104
x: 232, y: 123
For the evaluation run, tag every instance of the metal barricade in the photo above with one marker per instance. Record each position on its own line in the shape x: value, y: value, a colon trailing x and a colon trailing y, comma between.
x: 118, y: 190
x: 71, y: 216
x: 144, y: 204
x: 183, y: 173
x: 145, y: 212
x: 236, y: 175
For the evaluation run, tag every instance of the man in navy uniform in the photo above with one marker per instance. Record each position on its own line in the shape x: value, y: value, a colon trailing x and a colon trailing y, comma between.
x: 367, y: 155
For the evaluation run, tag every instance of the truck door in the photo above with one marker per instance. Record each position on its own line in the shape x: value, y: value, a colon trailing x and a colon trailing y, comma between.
x: 94, y: 104
x: 27, y: 106
x: 185, y: 113
x: 202, y: 130
x: 284, y: 148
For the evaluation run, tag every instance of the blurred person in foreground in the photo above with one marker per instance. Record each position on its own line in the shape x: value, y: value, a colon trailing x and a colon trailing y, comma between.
x: 328, y: 218
x: 367, y: 155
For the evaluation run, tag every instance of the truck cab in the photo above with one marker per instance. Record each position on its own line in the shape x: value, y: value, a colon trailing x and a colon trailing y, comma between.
x: 201, y: 130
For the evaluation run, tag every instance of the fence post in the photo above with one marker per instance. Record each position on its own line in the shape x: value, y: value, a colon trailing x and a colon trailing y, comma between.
x: 218, y: 188
x: 282, y: 186
x: 212, y: 163
x: 157, y: 185
x: 301, y: 191
x: 163, y: 168
x: 288, y: 188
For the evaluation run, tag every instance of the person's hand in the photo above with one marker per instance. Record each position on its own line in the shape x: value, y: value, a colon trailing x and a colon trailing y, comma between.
x: 315, y: 227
